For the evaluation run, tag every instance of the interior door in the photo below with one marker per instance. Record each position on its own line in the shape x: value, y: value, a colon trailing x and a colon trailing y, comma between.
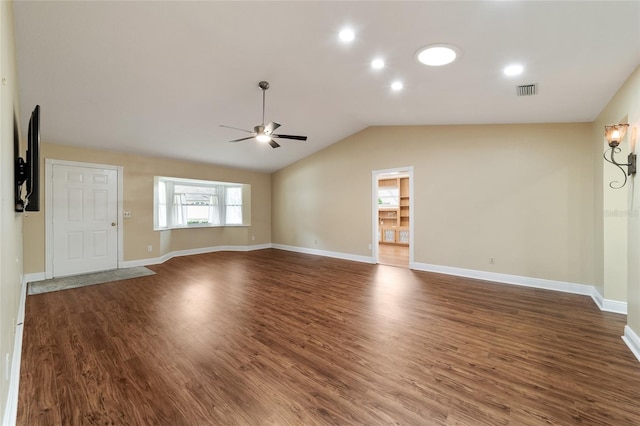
x: 85, y: 212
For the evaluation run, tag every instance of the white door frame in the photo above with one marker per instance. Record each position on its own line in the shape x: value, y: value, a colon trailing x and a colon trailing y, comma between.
x: 48, y: 200
x: 374, y: 210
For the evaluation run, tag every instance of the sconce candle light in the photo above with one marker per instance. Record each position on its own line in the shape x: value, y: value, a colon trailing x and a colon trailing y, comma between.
x: 615, y: 134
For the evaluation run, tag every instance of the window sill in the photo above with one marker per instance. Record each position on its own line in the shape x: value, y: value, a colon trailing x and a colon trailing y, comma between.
x: 200, y: 226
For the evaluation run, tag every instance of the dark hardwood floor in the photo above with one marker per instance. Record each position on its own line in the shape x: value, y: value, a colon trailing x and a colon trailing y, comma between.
x: 273, y: 337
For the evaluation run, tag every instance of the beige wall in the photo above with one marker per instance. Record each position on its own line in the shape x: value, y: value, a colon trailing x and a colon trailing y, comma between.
x: 598, y: 205
x: 615, y: 208
x: 519, y: 193
x: 621, y: 207
x: 138, y: 198
x: 10, y: 221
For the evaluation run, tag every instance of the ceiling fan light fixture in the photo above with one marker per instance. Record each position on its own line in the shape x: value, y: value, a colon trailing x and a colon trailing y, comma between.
x: 263, y: 138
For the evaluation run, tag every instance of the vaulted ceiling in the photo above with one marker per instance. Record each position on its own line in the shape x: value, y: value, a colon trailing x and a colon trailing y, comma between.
x: 158, y: 78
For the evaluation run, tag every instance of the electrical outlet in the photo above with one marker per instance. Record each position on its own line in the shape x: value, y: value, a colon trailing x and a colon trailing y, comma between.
x: 126, y: 214
x: 253, y: 238
x: 369, y: 246
x: 149, y: 249
x: 492, y: 260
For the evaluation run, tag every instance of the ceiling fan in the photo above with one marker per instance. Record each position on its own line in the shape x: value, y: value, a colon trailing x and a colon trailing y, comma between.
x: 264, y: 133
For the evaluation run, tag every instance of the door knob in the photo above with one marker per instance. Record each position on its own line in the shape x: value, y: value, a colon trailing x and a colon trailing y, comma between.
x: 113, y: 224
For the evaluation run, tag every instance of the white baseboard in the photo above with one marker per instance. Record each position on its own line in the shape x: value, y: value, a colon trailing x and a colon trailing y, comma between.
x: 334, y: 254
x: 11, y: 408
x: 632, y: 340
x: 608, y: 305
x: 614, y: 306
x: 564, y: 287
x: 164, y: 258
x: 37, y: 276
x: 597, y: 298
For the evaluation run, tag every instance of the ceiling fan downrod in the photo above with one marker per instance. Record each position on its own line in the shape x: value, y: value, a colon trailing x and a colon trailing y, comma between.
x: 264, y: 85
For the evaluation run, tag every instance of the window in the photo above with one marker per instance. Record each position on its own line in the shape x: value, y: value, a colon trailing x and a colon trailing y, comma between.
x: 182, y: 203
x: 388, y: 196
x: 233, y: 204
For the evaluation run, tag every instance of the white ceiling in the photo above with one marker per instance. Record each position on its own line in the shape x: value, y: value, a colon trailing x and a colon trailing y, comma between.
x: 158, y: 78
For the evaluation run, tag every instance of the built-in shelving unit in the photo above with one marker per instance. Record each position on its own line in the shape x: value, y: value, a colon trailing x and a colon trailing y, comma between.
x: 394, y: 218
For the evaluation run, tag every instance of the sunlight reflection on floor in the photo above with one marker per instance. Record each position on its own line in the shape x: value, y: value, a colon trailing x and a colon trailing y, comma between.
x: 393, y: 288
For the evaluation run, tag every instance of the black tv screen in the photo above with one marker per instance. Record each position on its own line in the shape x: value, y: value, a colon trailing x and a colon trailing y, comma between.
x: 28, y: 172
x: 33, y: 162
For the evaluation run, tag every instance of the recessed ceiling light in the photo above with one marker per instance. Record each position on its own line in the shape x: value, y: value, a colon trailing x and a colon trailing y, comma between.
x: 397, y: 85
x: 377, y: 64
x: 347, y: 35
x: 437, y: 54
x: 514, y: 69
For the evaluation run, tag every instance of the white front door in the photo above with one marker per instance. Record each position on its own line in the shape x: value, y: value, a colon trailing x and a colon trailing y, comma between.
x: 85, y: 213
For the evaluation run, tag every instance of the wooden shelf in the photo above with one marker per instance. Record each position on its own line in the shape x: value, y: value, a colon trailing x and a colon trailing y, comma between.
x: 394, y: 221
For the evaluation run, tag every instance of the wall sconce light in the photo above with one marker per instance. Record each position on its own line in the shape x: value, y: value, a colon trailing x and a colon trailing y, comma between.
x: 615, y: 134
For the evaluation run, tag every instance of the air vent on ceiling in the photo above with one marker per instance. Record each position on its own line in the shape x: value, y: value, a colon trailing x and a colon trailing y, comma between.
x: 527, y: 89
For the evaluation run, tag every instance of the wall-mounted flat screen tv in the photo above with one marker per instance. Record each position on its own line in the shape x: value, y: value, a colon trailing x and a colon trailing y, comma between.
x: 27, y: 172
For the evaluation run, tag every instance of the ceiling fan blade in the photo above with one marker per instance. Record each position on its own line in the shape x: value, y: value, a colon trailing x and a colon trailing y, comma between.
x: 269, y: 128
x: 243, y: 139
x: 274, y: 144
x: 298, y: 138
x: 236, y: 128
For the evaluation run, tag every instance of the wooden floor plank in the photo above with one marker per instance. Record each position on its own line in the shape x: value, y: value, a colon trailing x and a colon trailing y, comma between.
x: 393, y: 255
x: 40, y: 407
x: 278, y: 338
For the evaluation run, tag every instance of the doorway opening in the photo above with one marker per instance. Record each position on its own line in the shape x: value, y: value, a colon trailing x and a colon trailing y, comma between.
x: 392, y: 216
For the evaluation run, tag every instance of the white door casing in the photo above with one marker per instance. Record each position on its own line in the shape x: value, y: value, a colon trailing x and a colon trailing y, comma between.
x: 83, y: 227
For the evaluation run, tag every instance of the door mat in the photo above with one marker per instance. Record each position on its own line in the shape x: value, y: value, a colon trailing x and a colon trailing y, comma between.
x: 75, y: 281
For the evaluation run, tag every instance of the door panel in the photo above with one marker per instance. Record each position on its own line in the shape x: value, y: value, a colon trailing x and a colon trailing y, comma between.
x: 85, y: 210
